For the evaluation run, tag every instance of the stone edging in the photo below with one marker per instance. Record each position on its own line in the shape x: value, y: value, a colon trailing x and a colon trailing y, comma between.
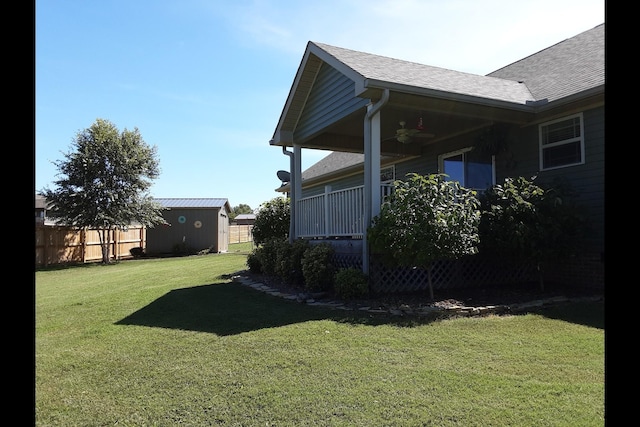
x: 422, y: 311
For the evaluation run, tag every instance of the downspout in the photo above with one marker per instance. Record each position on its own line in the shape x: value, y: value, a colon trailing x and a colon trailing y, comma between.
x: 371, y: 170
x: 292, y: 201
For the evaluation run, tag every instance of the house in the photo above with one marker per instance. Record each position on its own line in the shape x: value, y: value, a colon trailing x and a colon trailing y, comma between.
x: 41, y: 209
x: 245, y: 219
x: 194, y: 224
x: 382, y: 118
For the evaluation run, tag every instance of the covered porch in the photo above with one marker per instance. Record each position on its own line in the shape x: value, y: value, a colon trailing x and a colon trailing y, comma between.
x: 353, y: 102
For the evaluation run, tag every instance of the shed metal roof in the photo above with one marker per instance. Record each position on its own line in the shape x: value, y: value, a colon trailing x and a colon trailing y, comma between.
x: 192, y: 202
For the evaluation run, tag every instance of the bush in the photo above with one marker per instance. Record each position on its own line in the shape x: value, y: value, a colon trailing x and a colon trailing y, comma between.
x: 272, y: 221
x: 317, y: 268
x: 182, y: 249
x: 524, y: 221
x: 253, y: 262
x: 351, y: 283
x: 288, y: 264
x: 136, y: 252
x: 267, y: 254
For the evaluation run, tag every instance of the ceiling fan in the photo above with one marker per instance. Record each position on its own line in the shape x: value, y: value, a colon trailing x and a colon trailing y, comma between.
x: 405, y: 135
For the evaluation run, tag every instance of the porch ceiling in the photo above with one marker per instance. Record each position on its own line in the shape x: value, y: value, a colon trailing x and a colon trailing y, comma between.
x: 442, y: 118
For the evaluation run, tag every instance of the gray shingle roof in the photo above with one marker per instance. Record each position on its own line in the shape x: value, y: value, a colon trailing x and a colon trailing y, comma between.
x: 192, y: 202
x: 419, y: 76
x: 568, y: 67
x: 334, y: 161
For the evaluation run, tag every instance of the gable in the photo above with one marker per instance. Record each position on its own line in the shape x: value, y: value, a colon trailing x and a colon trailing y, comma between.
x: 330, y: 99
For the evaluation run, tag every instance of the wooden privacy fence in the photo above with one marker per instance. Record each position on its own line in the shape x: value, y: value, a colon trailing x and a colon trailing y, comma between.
x: 240, y: 233
x: 57, y: 245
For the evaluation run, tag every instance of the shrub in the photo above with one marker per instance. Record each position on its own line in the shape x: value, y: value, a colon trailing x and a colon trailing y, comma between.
x: 253, y: 262
x: 288, y: 264
x: 272, y: 221
x: 182, y: 249
x: 521, y: 220
x: 317, y: 268
x: 268, y: 255
x: 351, y: 283
x: 136, y: 252
x: 426, y: 219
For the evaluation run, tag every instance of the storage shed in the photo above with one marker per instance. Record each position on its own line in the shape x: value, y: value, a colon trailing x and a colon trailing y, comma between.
x: 194, y: 224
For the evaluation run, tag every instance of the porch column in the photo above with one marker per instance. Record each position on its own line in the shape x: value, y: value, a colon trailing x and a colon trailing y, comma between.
x: 371, y: 171
x: 296, y: 186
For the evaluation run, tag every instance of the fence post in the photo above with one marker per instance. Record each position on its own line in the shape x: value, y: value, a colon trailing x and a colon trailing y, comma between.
x: 46, y: 245
x: 83, y: 242
x: 116, y: 246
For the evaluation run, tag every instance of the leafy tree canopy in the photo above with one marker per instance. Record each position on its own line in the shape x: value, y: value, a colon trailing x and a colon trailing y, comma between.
x: 104, y: 181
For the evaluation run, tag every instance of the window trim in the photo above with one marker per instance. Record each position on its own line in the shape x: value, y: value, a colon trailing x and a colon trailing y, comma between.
x: 579, y: 139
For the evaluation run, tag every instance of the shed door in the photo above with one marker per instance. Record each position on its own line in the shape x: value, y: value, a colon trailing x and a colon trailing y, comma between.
x: 223, y: 232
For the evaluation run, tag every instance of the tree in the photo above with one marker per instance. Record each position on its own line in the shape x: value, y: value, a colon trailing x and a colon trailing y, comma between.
x: 238, y: 210
x: 524, y: 221
x: 272, y: 220
x: 103, y: 183
x: 426, y: 219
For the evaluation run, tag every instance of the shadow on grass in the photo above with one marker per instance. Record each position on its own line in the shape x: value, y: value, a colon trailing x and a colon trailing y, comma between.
x: 230, y: 308
x: 225, y: 309
x: 588, y: 313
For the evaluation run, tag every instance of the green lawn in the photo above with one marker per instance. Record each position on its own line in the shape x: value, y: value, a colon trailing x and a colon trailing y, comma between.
x: 165, y: 342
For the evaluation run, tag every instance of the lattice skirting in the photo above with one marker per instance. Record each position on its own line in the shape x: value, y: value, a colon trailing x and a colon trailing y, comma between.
x: 468, y: 272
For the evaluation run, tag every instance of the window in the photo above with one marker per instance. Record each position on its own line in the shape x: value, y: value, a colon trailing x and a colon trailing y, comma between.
x: 561, y: 143
x: 387, y: 174
x: 471, y: 169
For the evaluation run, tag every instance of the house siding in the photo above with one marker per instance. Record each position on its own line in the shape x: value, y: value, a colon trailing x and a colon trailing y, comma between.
x: 522, y: 159
x: 330, y: 99
x: 338, y: 184
x: 587, y: 179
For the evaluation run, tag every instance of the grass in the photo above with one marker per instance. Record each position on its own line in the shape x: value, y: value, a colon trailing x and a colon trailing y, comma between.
x: 164, y: 342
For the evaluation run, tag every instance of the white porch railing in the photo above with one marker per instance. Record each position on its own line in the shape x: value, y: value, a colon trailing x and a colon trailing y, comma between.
x: 335, y: 213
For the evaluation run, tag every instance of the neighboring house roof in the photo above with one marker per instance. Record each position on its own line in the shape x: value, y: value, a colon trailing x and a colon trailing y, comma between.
x: 334, y: 161
x: 193, y: 202
x: 41, y: 202
x: 246, y: 216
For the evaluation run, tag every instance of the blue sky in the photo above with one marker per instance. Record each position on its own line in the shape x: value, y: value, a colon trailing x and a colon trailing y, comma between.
x: 206, y: 80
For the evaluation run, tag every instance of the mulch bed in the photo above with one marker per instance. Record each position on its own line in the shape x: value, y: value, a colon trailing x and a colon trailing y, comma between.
x: 470, y: 297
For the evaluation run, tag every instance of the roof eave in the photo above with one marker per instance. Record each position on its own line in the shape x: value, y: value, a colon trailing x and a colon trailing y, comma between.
x: 579, y: 96
x: 373, y: 88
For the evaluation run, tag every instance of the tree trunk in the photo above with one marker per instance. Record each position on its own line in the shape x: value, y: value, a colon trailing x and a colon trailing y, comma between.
x: 104, y: 234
